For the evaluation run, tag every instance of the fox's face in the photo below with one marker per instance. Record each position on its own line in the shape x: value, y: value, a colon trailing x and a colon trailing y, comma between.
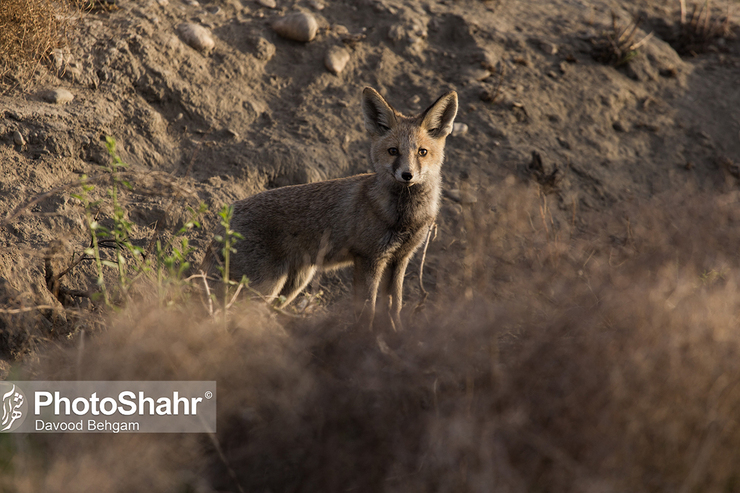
x: 410, y: 149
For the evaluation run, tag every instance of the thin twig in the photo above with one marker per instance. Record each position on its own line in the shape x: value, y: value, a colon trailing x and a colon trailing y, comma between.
x: 18, y: 211
x: 424, y: 293
x: 203, y: 276
x: 13, y: 311
x: 233, y: 298
x: 222, y: 456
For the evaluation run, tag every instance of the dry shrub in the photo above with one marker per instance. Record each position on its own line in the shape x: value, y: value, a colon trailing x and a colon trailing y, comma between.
x: 29, y: 31
x: 599, y: 358
x: 701, y: 28
x: 619, y: 45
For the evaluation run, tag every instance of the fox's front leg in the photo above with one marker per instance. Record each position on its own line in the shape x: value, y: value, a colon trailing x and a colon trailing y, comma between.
x: 368, y: 274
x: 394, y: 288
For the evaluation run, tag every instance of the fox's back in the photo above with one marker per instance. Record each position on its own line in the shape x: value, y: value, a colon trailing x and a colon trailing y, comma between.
x: 297, y: 213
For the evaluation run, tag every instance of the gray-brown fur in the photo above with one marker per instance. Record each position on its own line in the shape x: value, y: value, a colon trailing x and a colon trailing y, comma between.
x: 373, y: 221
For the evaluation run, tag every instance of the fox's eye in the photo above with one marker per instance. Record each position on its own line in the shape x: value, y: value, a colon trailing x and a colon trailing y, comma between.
x: 393, y: 151
x: 422, y: 152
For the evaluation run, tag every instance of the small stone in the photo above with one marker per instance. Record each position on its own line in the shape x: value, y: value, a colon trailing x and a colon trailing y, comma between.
x: 264, y: 49
x: 18, y: 138
x: 548, y: 48
x: 670, y: 72
x: 57, y: 96
x: 459, y: 129
x: 270, y: 4
x: 336, y: 59
x: 453, y: 194
x: 316, y: 4
x: 340, y: 30
x: 213, y: 9
x: 197, y: 36
x: 163, y: 3
x: 468, y: 197
x: 59, y: 59
x: 192, y: 3
x: 464, y: 196
x: 489, y: 95
x: 298, y: 26
x: 479, y: 74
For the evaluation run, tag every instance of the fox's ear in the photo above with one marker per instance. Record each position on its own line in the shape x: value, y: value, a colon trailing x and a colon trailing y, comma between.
x: 438, y: 118
x: 378, y: 115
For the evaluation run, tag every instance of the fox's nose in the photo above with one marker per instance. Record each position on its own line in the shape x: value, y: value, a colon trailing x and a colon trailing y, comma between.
x: 407, y: 176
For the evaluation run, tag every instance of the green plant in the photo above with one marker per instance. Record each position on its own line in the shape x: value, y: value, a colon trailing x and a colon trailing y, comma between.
x: 228, y: 239
x: 94, y: 229
x: 171, y: 259
x: 167, y: 265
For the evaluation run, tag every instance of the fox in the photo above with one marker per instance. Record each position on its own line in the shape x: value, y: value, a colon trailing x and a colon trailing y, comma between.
x: 373, y: 222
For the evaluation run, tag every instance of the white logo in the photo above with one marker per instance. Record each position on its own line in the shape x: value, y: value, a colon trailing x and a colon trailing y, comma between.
x: 14, y: 406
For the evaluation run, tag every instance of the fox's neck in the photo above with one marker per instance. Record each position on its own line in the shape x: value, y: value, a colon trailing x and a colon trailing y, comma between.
x: 405, y: 206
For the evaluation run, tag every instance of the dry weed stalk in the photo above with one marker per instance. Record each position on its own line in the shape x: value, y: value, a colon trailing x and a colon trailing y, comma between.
x: 701, y: 28
x: 618, y: 46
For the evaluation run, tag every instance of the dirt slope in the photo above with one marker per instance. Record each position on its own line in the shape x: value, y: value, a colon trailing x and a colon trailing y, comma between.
x: 259, y: 111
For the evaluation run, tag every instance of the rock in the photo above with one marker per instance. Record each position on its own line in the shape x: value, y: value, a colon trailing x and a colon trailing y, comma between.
x: 410, y: 34
x: 270, y: 4
x: 453, y: 194
x: 192, y: 3
x: 57, y: 96
x: 464, y: 196
x: 468, y: 197
x: 459, y: 129
x: 317, y: 4
x: 478, y: 74
x: 264, y: 50
x: 60, y: 59
x: 298, y: 26
x: 340, y: 30
x: 213, y: 9
x: 197, y: 36
x: 336, y: 59
x: 18, y: 138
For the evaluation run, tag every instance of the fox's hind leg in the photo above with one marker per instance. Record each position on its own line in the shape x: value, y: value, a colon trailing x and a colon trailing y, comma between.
x: 296, y: 282
x: 270, y: 288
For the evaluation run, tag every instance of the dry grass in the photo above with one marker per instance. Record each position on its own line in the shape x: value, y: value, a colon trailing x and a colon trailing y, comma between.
x: 29, y: 31
x: 701, y: 28
x: 619, y: 45
x: 552, y: 356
